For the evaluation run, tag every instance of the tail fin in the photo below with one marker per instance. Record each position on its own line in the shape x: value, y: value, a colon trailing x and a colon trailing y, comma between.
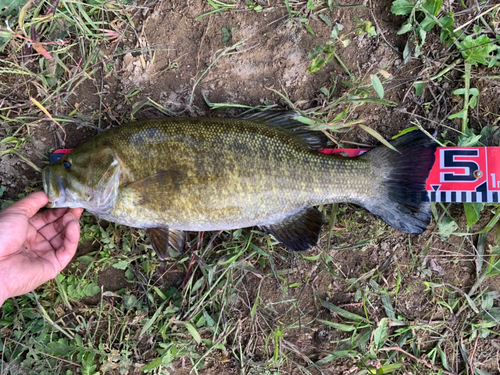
x: 400, y: 198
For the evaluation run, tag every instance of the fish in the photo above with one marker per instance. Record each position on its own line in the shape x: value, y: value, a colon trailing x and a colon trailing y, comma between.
x: 172, y: 175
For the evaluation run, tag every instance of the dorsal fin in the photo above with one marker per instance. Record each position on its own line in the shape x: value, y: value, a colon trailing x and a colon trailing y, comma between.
x: 314, y: 140
x: 298, y: 232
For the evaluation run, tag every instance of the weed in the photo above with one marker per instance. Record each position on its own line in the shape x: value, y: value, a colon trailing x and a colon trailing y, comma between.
x: 227, y: 35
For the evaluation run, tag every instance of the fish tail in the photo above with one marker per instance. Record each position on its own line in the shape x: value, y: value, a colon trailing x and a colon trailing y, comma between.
x: 399, y: 197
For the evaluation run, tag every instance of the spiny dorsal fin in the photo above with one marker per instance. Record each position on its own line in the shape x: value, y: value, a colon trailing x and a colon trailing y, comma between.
x: 314, y: 140
x: 300, y: 231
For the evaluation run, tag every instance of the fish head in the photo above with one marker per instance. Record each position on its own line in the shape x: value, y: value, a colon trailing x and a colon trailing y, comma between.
x: 87, y: 177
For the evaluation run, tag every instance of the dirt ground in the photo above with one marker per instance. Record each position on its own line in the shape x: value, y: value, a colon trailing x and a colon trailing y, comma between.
x: 181, y: 71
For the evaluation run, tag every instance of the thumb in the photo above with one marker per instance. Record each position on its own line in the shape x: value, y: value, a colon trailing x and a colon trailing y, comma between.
x: 70, y: 237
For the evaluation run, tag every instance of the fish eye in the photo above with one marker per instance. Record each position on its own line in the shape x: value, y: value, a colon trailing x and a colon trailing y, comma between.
x: 67, y: 165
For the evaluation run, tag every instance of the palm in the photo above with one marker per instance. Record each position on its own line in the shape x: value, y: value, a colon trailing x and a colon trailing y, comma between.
x: 34, y: 248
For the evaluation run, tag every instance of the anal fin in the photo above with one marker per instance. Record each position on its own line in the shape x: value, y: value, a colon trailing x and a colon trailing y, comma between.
x: 299, y: 232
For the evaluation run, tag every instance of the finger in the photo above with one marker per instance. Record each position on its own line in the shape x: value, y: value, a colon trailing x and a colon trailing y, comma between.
x: 69, y: 237
x: 29, y: 205
x: 77, y: 212
x: 59, y: 227
x: 46, y: 217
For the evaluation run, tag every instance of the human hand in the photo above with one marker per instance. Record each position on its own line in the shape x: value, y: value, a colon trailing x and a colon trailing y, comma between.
x: 35, y: 247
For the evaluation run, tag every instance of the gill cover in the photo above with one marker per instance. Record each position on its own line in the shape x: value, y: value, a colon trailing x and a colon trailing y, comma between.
x: 90, y: 182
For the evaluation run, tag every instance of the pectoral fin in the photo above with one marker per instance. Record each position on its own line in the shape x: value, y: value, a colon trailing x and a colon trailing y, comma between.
x: 151, y: 188
x: 300, y: 231
x: 162, y: 237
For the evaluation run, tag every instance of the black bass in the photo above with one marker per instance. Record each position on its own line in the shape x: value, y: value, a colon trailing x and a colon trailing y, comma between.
x: 171, y: 175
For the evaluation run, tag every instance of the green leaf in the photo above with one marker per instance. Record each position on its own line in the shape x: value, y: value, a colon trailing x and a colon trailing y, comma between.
x: 320, y: 56
x: 472, y: 212
x: 312, y: 258
x: 193, y: 332
x: 85, y: 259
x: 446, y: 227
x: 336, y: 30
x: 407, y: 52
x: 446, y: 27
x: 490, y: 136
x: 311, y: 31
x: 121, y: 265
x: 402, y: 7
x: 340, y: 116
x: 339, y: 326
x: 369, y: 100
x: 477, y: 50
x: 481, y: 372
x: 311, y: 5
x: 489, y: 300
x: 426, y: 25
x: 88, y: 366
x: 91, y: 290
x: 129, y: 301
x: 405, y: 131
x: 491, y: 223
x: 209, y: 319
x: 381, y: 333
x: 377, y: 85
x: 11, y: 7
x: 407, y: 27
x: 419, y: 88
x: 59, y: 348
x: 433, y: 6
x: 198, y: 284
x: 493, y: 268
x: 154, y: 364
x: 469, y: 139
x: 151, y: 321
x: 385, y: 369
x: 378, y: 136
x: 304, y: 120
x: 346, y: 314
x: 325, y: 19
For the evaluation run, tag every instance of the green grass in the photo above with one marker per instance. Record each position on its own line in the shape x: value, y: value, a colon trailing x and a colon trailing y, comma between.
x: 238, y: 300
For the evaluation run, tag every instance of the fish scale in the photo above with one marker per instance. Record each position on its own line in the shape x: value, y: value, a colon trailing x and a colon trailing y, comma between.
x: 225, y: 190
x: 201, y: 174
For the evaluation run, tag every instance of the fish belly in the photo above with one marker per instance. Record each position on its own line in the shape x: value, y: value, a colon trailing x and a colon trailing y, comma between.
x: 254, y: 193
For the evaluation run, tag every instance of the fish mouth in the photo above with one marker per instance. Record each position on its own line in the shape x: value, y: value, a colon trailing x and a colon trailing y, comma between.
x: 53, y: 188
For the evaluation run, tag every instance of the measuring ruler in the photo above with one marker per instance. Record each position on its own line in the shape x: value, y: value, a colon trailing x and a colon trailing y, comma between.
x: 459, y: 174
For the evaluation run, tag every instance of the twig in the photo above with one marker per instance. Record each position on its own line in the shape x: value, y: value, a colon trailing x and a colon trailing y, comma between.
x: 418, y: 360
x: 223, y: 53
x: 31, y: 41
x: 471, y: 360
x: 475, y: 18
x: 8, y: 180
